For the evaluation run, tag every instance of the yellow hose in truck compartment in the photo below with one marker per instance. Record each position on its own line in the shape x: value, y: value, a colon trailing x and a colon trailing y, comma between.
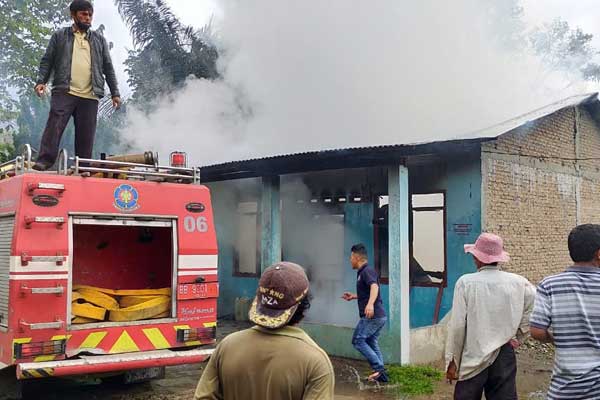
x: 141, y: 311
x: 127, y: 292
x: 165, y: 314
x: 87, y: 310
x: 144, y: 292
x: 129, y: 301
x: 98, y: 299
x: 75, y: 296
x: 93, y: 304
x: 82, y: 320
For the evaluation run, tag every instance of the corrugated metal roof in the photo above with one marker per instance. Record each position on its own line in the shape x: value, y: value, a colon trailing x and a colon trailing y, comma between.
x: 485, y: 134
x: 507, y: 126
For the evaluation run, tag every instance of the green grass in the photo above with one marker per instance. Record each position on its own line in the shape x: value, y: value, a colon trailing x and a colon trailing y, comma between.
x: 413, y: 379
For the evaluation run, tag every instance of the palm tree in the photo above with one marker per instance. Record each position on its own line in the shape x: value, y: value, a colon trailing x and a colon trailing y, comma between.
x: 166, y: 52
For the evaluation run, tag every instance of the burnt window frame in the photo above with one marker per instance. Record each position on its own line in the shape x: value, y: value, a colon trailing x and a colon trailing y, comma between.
x: 376, y: 233
x: 444, y: 209
x: 377, y: 228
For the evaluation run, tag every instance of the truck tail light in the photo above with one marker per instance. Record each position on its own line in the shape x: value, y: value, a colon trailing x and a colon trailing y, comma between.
x: 194, y: 334
x: 34, y: 349
x: 178, y: 159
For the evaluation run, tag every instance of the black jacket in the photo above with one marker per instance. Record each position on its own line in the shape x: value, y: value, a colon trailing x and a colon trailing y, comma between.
x: 57, y: 61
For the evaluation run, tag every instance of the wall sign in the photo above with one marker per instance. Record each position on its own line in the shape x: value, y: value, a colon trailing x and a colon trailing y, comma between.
x: 462, y: 229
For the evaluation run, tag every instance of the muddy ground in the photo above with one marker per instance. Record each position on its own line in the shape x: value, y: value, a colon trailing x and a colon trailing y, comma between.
x: 535, y: 364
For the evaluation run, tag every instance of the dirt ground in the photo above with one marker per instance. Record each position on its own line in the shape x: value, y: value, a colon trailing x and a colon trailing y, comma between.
x: 534, y: 363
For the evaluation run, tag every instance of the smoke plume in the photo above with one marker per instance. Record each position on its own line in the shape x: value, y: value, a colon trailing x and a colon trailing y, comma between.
x: 313, y: 75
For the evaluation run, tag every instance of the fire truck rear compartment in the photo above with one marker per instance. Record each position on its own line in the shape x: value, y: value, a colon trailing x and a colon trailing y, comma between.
x: 123, y: 254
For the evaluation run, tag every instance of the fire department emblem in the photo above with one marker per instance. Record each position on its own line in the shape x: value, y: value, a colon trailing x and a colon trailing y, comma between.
x: 126, y: 198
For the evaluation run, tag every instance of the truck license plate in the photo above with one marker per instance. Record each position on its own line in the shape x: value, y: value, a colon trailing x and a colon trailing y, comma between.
x: 143, y: 375
x: 188, y: 291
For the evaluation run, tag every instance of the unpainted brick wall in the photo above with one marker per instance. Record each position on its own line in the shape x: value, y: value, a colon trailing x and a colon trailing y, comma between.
x: 535, y: 192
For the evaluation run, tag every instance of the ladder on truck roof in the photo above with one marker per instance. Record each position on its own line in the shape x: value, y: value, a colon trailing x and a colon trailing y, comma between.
x: 116, y: 168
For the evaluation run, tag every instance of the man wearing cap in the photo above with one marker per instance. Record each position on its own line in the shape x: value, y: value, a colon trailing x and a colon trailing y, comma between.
x: 274, y: 360
x: 490, y: 315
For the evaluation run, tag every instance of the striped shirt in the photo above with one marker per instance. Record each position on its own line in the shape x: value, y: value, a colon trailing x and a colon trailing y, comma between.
x: 568, y: 304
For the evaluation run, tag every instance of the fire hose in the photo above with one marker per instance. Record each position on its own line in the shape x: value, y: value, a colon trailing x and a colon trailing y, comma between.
x: 92, y: 304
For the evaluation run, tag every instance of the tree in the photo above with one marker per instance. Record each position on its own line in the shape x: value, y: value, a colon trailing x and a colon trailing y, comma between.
x: 563, y: 48
x: 26, y: 28
x: 166, y: 52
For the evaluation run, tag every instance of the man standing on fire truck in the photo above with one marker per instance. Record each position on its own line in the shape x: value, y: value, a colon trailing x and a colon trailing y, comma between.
x: 79, y: 59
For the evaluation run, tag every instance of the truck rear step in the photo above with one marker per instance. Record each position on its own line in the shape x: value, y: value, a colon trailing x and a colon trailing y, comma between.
x: 111, y: 363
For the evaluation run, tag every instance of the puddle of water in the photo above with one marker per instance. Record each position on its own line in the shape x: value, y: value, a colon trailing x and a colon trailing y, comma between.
x: 353, y: 387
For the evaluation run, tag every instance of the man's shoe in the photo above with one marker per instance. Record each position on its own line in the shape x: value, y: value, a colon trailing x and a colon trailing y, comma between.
x: 380, y: 377
x: 40, y: 167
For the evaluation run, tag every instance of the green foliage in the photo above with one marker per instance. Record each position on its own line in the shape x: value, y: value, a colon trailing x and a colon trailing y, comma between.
x: 26, y: 28
x: 166, y: 52
x: 413, y: 379
x: 7, y: 151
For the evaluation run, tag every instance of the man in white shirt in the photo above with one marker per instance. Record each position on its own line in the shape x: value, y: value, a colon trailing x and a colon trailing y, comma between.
x: 490, y: 316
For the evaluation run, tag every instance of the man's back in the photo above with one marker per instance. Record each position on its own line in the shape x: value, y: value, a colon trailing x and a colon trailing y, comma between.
x: 569, y: 304
x: 263, y: 364
x: 494, y: 305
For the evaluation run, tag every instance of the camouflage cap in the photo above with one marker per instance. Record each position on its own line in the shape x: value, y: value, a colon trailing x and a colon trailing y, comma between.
x: 280, y: 290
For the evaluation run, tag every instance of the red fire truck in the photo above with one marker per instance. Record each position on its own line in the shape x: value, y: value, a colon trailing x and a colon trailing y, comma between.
x: 118, y: 224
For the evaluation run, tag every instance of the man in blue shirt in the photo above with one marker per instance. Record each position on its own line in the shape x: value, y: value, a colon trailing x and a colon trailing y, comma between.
x: 371, y: 312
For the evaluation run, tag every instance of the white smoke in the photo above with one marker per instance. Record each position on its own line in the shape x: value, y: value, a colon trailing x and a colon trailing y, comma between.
x: 313, y: 75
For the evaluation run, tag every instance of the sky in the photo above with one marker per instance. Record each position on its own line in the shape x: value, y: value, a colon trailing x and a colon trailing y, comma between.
x: 582, y: 13
x: 313, y: 75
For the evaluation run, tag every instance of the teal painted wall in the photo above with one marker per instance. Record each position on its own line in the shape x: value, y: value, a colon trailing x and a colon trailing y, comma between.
x: 461, y: 180
x: 224, y: 200
x: 336, y: 340
x: 462, y: 183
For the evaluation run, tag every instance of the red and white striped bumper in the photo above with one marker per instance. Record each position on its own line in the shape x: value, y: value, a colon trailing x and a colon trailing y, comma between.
x: 111, y: 363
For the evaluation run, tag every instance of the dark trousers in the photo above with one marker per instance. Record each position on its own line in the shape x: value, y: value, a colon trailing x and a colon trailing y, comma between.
x: 85, y: 116
x: 498, y: 380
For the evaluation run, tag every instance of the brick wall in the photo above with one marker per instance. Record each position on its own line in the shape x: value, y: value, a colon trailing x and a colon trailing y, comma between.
x: 534, y: 192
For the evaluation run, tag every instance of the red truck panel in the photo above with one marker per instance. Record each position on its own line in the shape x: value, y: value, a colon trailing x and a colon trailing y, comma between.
x: 36, y: 235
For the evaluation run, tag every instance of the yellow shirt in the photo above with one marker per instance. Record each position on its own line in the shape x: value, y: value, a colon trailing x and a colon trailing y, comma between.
x: 263, y: 364
x: 81, y: 68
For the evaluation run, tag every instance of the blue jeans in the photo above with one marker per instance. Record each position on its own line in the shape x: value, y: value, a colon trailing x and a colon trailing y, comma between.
x: 365, y: 341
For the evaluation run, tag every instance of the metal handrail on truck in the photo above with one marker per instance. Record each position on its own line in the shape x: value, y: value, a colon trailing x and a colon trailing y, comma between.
x: 17, y: 165
x: 87, y: 166
x: 135, y: 170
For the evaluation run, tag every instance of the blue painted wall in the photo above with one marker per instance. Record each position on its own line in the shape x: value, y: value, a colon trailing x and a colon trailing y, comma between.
x: 462, y: 182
